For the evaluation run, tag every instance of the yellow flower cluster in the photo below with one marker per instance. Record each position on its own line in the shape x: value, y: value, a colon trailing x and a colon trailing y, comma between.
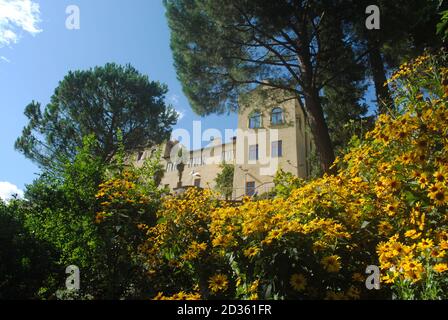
x: 407, y: 69
x: 178, y: 296
x: 194, y: 250
x: 117, y: 194
x: 406, y: 261
x: 386, y: 205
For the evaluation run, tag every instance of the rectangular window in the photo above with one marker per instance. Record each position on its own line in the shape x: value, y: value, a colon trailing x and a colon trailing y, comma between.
x: 250, y: 188
x: 197, y: 182
x: 276, y: 149
x: 253, y: 152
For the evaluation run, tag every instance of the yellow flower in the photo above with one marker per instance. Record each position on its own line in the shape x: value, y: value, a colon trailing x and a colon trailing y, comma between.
x: 275, y: 234
x: 194, y: 250
x: 440, y: 267
x: 435, y: 253
x: 159, y: 296
x: 254, y: 286
x: 253, y: 296
x: 298, y: 282
x: 251, y: 252
x: 439, y: 196
x: 319, y: 245
x: 393, y: 184
x: 392, y: 208
x: 423, y: 180
x: 384, y: 167
x: 413, y: 269
x: 388, y: 278
x: 442, y: 236
x: 385, y: 228
x: 218, y: 283
x: 425, y: 244
x: 443, y: 245
x: 413, y: 234
x: 331, y: 263
x: 440, y: 176
x: 399, y: 249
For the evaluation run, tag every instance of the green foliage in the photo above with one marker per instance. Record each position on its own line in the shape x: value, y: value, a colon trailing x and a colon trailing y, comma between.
x: 61, y: 211
x: 152, y: 170
x: 407, y: 27
x: 224, y: 180
x: 285, y: 183
x: 25, y: 261
x: 128, y: 199
x: 102, y: 101
x: 65, y: 212
x: 442, y: 26
x: 344, y: 75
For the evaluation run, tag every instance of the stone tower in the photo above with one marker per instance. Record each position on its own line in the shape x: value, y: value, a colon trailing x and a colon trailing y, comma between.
x: 270, y: 136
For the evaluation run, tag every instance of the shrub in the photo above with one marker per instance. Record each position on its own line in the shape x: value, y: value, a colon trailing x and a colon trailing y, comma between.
x: 25, y: 261
x: 385, y: 206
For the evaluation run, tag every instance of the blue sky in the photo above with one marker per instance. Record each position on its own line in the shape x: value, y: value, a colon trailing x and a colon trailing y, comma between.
x: 35, y: 55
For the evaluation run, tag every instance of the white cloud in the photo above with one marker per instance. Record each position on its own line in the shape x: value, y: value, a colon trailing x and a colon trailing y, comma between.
x: 17, y: 16
x: 2, y: 58
x: 180, y: 114
x: 8, y: 190
x: 174, y: 101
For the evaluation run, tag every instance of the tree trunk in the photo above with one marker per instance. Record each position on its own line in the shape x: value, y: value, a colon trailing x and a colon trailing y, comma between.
x: 315, y: 113
x: 319, y: 130
x: 383, y: 96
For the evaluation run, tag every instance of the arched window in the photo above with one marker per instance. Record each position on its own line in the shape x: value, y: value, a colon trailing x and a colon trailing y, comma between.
x: 277, y: 116
x: 255, y: 120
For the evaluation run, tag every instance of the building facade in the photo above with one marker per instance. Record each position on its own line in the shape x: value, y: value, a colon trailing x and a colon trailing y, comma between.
x: 267, y: 138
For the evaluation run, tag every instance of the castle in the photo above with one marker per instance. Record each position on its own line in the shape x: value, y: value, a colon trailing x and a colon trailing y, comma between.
x: 268, y: 138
